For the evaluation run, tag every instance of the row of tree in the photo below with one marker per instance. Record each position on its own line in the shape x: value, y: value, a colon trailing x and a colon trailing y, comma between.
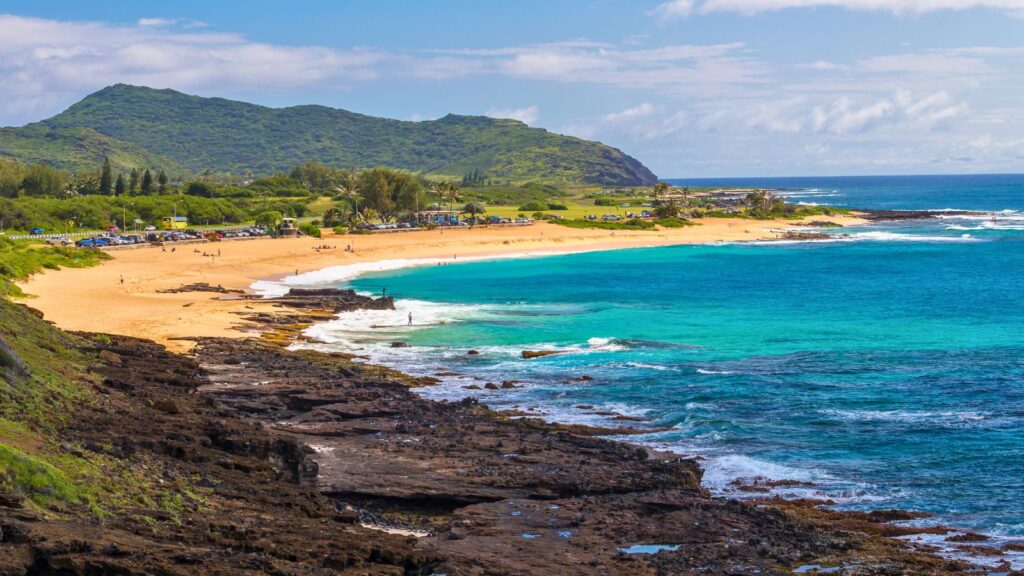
x: 135, y: 183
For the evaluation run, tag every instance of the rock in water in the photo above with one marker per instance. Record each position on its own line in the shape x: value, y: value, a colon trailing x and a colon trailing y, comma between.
x: 529, y: 354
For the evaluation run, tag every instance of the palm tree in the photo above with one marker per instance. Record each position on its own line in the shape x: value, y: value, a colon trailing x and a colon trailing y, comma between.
x: 447, y: 190
x: 348, y: 185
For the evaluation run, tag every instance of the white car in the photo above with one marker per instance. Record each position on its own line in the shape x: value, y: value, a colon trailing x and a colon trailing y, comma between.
x: 149, y: 228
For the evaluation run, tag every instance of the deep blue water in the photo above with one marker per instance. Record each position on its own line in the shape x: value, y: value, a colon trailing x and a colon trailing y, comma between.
x: 885, y: 367
x: 966, y: 192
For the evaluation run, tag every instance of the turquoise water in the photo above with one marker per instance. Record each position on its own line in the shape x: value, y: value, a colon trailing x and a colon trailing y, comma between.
x: 885, y: 367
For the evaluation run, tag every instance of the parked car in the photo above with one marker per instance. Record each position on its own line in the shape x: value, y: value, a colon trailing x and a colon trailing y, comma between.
x: 37, y: 231
x: 149, y: 228
x: 610, y: 217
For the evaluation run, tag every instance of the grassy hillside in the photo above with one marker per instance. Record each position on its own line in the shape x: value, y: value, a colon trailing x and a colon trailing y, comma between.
x: 77, y: 148
x: 228, y: 136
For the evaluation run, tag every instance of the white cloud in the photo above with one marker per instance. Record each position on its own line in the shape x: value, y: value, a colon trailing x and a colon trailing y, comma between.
x: 156, y: 21
x: 164, y: 22
x: 640, y: 111
x: 683, y: 8
x: 526, y: 115
x: 682, y: 68
x: 47, y: 61
x: 846, y: 117
x: 643, y: 122
x: 43, y: 62
x: 673, y: 9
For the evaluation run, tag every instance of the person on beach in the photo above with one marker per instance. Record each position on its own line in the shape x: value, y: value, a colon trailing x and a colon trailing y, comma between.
x: 410, y: 318
x: 383, y: 291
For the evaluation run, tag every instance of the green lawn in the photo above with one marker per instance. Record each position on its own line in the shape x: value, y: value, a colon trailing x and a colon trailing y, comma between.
x: 576, y: 210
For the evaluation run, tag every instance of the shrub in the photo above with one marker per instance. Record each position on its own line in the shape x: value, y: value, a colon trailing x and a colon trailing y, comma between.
x: 535, y: 206
x: 269, y: 219
x: 310, y: 229
x: 672, y: 222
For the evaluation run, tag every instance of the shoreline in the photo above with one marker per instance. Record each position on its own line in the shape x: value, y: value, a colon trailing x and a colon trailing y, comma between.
x: 193, y: 302
x: 126, y: 295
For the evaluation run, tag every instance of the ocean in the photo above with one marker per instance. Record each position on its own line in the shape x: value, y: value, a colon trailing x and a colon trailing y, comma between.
x: 883, y: 368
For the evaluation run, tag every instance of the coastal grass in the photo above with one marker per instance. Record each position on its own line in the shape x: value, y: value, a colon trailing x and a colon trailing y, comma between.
x: 19, y: 259
x: 633, y: 224
x: 45, y: 380
x: 672, y: 222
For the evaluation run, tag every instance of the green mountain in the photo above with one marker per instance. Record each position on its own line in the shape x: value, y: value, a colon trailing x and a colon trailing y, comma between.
x: 229, y: 136
x: 77, y: 149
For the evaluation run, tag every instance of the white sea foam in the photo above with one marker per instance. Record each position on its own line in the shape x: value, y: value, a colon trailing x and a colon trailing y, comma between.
x: 335, y: 274
x: 941, y: 418
x: 706, y: 371
x: 961, y: 550
x: 880, y: 236
x: 720, y: 472
x: 605, y: 345
x: 871, y: 236
x: 373, y: 325
x: 991, y: 225
x: 649, y: 366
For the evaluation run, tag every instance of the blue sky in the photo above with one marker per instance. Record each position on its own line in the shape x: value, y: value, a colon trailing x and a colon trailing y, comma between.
x: 690, y: 87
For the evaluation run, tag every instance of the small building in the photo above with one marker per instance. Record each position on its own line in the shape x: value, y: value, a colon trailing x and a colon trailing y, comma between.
x: 288, y: 227
x: 174, y: 223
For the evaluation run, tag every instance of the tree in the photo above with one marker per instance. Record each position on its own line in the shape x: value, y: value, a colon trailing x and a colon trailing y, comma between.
x: 120, y: 185
x: 43, y: 180
x: 474, y: 208
x: 315, y: 176
x: 447, y: 190
x: 389, y: 192
x: 667, y: 210
x: 764, y: 204
x: 332, y: 217
x: 661, y: 189
x: 106, y: 179
x: 197, y: 188
x: 269, y: 219
x: 133, y: 181
x: 147, y: 182
x: 161, y: 178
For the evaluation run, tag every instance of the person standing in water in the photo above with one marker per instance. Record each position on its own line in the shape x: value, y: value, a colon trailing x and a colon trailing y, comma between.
x: 410, y: 318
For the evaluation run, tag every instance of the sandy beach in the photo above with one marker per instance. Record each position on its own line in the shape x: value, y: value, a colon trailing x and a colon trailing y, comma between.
x: 123, y: 295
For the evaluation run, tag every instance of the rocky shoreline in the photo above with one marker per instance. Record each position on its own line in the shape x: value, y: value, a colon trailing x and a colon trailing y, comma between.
x: 290, y: 455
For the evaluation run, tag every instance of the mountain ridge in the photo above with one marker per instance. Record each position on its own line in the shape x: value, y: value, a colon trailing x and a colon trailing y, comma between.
x: 225, y: 135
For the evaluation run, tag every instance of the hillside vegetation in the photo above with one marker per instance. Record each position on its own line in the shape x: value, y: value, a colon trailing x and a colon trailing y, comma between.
x: 163, y: 127
x: 76, y: 149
